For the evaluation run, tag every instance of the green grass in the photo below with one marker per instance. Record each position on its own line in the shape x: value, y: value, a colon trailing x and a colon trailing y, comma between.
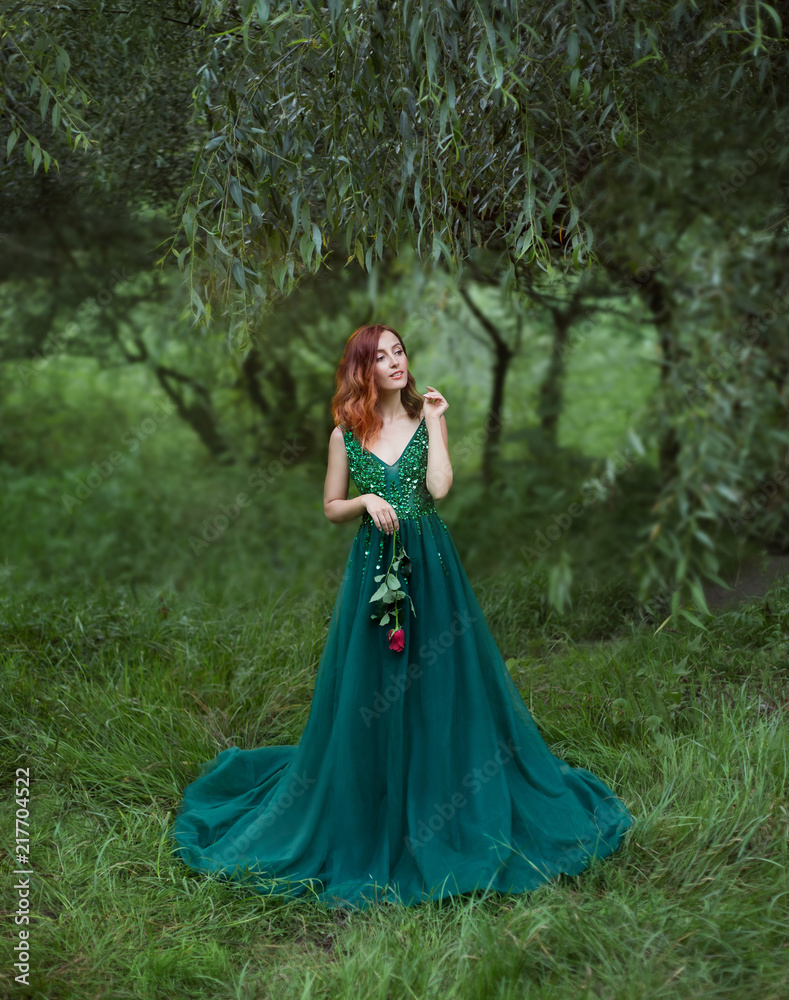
x: 113, y: 703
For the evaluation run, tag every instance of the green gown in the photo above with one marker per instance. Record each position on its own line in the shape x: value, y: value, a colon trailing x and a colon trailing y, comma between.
x: 420, y: 773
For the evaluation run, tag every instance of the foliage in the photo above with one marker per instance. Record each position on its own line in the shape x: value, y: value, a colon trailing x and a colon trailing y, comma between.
x: 113, y: 704
x: 37, y: 69
x: 101, y: 93
x: 518, y: 144
x: 487, y: 118
x: 719, y: 303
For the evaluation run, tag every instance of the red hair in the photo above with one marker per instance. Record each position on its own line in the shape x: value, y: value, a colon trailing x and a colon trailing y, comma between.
x: 353, y: 404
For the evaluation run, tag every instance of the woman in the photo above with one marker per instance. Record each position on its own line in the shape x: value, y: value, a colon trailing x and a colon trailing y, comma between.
x: 420, y: 773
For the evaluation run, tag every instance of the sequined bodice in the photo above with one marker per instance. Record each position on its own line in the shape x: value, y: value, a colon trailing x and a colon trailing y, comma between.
x: 402, y: 484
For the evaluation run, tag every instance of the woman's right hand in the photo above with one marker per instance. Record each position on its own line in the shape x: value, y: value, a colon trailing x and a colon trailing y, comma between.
x: 382, y: 512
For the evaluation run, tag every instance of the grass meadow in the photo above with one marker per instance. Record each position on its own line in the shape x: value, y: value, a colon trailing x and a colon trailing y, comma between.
x: 112, y: 702
x: 129, y: 658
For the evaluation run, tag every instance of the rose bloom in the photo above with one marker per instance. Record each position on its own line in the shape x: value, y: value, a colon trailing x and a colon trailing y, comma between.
x: 396, y: 639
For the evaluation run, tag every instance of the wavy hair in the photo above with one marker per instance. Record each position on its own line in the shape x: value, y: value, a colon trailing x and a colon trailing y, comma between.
x: 353, y: 404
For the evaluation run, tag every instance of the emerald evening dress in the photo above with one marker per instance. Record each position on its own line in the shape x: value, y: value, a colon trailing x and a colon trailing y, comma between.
x: 420, y: 773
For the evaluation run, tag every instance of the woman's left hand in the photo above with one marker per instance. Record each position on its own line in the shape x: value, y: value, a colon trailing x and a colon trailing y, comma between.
x: 434, y: 403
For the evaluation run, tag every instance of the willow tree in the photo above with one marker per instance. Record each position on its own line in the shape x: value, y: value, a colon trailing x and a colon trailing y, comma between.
x: 360, y: 125
x: 449, y: 125
x: 357, y: 127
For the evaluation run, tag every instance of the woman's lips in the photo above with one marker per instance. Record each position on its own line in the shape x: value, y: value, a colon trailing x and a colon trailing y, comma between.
x: 396, y: 375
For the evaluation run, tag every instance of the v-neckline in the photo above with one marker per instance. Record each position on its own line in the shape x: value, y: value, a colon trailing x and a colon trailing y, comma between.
x: 391, y: 465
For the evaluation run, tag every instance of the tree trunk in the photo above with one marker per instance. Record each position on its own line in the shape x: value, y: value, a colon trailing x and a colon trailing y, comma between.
x: 551, y: 396
x: 493, y: 419
x: 669, y: 446
x: 198, y: 414
x: 503, y: 355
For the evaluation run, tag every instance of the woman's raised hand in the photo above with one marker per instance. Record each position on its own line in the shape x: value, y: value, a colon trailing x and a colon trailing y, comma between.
x: 433, y: 403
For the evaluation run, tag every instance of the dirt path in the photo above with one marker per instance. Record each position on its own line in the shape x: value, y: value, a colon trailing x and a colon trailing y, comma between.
x: 751, y: 580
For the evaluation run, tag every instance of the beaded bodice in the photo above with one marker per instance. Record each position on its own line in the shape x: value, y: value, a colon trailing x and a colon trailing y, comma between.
x: 402, y: 484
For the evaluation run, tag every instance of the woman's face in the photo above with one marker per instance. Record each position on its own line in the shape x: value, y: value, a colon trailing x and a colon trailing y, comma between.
x: 389, y: 360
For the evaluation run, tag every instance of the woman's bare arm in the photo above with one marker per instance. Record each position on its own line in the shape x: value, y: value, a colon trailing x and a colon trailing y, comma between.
x: 336, y: 505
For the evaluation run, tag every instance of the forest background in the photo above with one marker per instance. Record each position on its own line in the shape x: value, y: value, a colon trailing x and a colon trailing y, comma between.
x: 575, y: 215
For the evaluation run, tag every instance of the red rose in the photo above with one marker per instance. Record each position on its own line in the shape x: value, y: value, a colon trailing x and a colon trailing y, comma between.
x: 396, y: 637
